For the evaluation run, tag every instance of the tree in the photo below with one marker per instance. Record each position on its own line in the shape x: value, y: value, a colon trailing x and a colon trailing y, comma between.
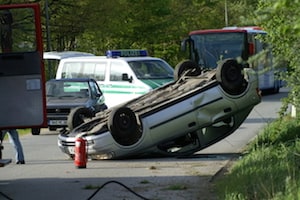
x: 156, y: 25
x: 281, y: 19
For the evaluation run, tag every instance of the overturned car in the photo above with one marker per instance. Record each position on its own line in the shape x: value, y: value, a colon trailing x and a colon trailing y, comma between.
x: 195, y: 111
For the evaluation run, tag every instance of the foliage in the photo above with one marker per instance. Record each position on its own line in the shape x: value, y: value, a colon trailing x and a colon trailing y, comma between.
x: 158, y: 26
x: 281, y: 19
x: 283, y: 130
x: 270, y: 169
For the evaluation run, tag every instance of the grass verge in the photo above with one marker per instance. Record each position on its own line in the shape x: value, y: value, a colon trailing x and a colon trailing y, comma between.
x: 270, y: 167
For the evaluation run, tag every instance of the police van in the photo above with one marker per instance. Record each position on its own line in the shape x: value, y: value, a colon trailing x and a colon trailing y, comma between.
x: 122, y: 74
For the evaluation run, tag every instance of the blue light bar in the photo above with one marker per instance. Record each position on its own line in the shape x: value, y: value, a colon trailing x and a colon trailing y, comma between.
x: 126, y: 53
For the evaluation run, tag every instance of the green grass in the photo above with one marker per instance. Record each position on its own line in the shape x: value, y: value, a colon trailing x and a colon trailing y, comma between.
x: 24, y: 131
x: 145, y: 182
x: 270, y: 167
x: 21, y: 132
x: 90, y: 187
x: 176, y: 187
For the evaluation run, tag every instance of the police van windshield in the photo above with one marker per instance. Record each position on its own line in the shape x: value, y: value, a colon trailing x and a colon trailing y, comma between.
x: 151, y: 69
x: 213, y: 47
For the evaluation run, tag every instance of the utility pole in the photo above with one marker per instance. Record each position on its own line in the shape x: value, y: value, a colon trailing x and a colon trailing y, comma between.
x: 47, y: 25
x: 48, y: 45
x: 226, y: 13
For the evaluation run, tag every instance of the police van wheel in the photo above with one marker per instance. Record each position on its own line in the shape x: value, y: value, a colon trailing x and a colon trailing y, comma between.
x: 229, y: 75
x: 35, y: 131
x: 77, y: 116
x: 184, y: 66
x: 122, y: 124
x: 52, y: 128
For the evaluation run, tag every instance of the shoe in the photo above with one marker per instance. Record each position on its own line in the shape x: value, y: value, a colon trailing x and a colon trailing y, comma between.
x: 20, y: 162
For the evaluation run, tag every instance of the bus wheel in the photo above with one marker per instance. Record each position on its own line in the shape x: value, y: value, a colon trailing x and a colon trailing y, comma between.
x: 184, y: 66
x: 77, y: 116
x: 229, y: 75
x: 122, y: 124
x: 276, y: 87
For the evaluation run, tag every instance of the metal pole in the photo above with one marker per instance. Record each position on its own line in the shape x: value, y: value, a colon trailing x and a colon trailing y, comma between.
x: 47, y: 26
x: 226, y: 14
x: 48, y: 48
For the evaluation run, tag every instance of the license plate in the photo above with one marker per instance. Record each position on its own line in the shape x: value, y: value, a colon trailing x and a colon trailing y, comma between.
x: 57, y: 122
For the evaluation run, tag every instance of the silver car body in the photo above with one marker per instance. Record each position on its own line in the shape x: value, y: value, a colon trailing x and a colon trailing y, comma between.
x: 177, y: 119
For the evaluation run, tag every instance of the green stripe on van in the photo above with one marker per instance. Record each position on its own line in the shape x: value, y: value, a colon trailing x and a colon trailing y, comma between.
x: 122, y: 89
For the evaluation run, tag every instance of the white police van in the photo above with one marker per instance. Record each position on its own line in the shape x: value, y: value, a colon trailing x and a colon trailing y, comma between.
x: 122, y: 74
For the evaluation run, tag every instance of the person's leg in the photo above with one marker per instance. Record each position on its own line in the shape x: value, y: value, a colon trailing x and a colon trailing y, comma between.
x: 14, y: 138
x: 2, y: 134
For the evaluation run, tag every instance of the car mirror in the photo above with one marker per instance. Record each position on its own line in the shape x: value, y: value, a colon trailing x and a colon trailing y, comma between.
x: 126, y: 78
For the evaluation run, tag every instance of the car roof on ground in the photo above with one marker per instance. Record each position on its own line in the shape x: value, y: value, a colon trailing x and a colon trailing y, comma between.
x: 58, y: 55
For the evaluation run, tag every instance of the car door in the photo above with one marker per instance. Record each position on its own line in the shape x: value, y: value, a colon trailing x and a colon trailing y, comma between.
x: 22, y: 101
x: 119, y: 88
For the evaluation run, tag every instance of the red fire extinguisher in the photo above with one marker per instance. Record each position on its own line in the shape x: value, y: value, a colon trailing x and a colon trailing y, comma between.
x: 80, y: 152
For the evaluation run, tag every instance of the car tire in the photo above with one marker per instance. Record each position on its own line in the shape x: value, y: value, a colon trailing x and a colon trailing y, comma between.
x: 35, y: 131
x: 185, y: 65
x: 122, y: 124
x: 77, y: 116
x: 229, y: 75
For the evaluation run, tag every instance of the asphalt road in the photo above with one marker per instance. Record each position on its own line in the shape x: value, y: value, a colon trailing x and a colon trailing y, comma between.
x: 49, y: 174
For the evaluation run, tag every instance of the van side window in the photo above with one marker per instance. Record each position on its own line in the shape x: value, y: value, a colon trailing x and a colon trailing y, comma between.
x: 116, y: 71
x: 71, y: 70
x: 99, y: 72
x: 95, y: 70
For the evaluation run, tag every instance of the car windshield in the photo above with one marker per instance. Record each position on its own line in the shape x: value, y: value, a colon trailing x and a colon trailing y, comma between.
x: 151, y: 69
x: 60, y: 89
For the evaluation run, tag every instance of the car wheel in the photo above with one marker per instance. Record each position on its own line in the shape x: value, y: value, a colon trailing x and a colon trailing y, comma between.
x: 35, y: 131
x: 229, y: 75
x: 122, y: 124
x: 77, y: 116
x: 184, y: 66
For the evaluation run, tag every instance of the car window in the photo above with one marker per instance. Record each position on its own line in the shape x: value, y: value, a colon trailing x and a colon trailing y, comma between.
x: 71, y: 70
x: 95, y: 89
x: 151, y: 69
x: 117, y: 69
x: 95, y: 70
x: 17, y: 31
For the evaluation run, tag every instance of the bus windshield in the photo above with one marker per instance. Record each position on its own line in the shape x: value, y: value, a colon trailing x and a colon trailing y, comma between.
x: 209, y: 48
